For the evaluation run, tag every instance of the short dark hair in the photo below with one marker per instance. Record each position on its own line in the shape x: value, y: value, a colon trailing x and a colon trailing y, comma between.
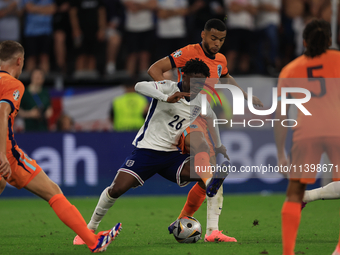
x: 195, y: 66
x: 317, y: 35
x: 216, y: 24
x: 8, y: 49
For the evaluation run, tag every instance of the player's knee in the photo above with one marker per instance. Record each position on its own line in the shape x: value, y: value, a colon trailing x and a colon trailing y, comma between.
x: 54, y: 189
x: 116, y: 191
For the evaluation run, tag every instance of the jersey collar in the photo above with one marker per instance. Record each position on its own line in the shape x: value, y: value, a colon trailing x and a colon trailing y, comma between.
x: 206, y: 54
x: 1, y: 71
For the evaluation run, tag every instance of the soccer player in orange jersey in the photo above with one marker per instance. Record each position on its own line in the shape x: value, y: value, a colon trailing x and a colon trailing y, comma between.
x: 313, y: 134
x: 23, y: 172
x: 196, y: 138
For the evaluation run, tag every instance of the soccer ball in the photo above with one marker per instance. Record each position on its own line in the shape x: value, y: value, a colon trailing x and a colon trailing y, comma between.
x: 187, y: 230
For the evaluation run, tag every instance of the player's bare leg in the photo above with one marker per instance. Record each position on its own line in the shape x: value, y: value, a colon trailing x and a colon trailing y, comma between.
x: 45, y: 188
x: 291, y: 215
x: 330, y: 191
x: 197, y: 143
x: 122, y: 183
x: 2, y: 185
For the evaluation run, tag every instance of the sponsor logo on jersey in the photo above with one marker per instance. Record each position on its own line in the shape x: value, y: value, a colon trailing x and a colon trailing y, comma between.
x: 193, y: 126
x: 177, y: 53
x: 16, y: 95
x: 219, y: 70
x: 161, y: 82
x: 129, y: 163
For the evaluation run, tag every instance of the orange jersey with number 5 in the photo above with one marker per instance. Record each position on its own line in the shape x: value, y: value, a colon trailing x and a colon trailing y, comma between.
x: 321, y: 77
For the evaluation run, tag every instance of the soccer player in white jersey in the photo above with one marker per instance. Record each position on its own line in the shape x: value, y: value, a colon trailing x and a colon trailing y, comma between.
x: 156, y: 151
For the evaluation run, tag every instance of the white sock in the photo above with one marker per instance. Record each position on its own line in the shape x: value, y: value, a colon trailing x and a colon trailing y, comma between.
x: 214, y: 207
x: 104, y: 204
x: 330, y: 191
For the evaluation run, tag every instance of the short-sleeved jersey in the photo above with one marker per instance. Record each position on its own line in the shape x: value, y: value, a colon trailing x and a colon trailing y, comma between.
x: 322, y: 78
x: 165, y: 121
x: 11, y: 92
x: 217, y: 64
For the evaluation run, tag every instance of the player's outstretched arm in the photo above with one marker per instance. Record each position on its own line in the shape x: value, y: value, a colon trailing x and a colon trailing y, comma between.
x: 158, y: 68
x: 161, y: 91
x: 5, y: 110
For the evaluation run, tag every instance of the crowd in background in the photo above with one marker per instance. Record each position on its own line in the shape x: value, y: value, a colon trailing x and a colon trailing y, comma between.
x: 89, y: 39
x: 92, y: 38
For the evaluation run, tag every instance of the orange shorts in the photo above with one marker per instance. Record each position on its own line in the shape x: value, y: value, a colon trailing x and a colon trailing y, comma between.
x: 24, y: 169
x: 196, y: 126
x: 306, y: 155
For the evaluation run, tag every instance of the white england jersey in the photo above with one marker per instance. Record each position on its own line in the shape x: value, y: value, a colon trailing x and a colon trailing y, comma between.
x: 165, y: 121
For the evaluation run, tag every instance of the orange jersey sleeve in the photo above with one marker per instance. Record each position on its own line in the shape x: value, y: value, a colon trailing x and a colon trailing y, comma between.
x: 180, y: 57
x: 217, y: 64
x: 11, y: 91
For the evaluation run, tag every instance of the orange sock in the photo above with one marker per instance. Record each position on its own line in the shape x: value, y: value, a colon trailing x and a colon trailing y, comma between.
x: 72, y: 218
x: 202, y: 164
x: 291, y: 215
x: 195, y: 199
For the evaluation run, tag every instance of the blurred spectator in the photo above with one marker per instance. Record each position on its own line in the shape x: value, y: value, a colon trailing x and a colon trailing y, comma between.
x: 171, y: 27
x: 139, y: 27
x: 129, y: 110
x: 199, y: 12
x: 38, y: 33
x: 65, y: 123
x: 35, y: 106
x: 241, y: 23
x: 115, y: 11
x: 88, y: 22
x: 61, y: 28
x: 321, y: 9
x: 9, y: 20
x: 268, y: 22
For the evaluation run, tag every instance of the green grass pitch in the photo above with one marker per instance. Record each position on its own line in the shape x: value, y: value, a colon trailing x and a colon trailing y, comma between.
x: 29, y: 226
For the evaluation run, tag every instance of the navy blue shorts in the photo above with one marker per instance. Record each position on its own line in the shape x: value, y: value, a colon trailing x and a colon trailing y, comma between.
x: 144, y: 163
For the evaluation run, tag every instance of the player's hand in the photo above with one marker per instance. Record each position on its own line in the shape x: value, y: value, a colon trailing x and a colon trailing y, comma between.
x: 222, y: 149
x: 257, y: 101
x: 5, y: 168
x: 177, y: 96
x: 282, y: 160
